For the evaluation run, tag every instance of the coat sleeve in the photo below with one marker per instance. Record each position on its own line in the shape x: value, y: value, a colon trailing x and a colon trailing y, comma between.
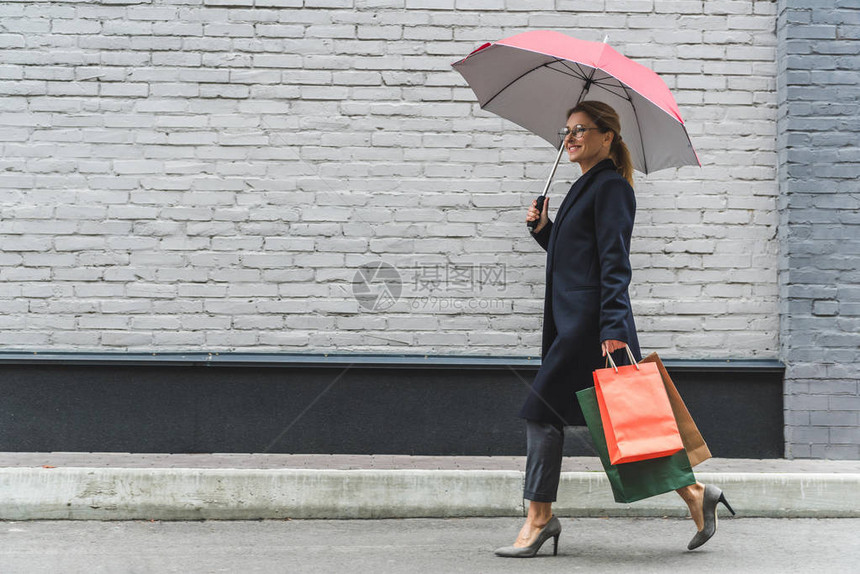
x: 614, y: 212
x: 542, y: 236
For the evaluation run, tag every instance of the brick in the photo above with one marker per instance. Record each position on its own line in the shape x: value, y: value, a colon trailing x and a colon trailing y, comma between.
x: 836, y: 420
x: 810, y: 434
x: 479, y: 4
x: 840, y: 452
x: 125, y: 339
x: 31, y: 339
x: 430, y: 4
x: 70, y: 26
x: 285, y: 339
x: 258, y: 322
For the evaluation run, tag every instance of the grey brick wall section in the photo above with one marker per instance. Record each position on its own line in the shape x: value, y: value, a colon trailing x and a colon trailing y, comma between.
x: 819, y: 165
x: 186, y: 175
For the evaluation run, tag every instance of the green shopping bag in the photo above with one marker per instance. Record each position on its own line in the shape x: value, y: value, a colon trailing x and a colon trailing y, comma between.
x: 634, y: 481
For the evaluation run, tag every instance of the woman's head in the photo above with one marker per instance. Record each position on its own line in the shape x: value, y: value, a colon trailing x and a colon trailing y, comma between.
x: 602, y: 141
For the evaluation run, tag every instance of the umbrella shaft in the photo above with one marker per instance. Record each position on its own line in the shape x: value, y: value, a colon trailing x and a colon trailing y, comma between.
x: 554, y: 167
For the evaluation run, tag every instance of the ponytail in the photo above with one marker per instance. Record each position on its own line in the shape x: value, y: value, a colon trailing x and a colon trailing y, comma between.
x: 621, y: 156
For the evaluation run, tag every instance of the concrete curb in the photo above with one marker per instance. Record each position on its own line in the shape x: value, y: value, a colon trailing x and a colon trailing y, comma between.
x: 242, y: 494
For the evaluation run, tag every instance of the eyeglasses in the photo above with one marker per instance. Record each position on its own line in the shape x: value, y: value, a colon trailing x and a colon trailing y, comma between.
x: 577, y: 133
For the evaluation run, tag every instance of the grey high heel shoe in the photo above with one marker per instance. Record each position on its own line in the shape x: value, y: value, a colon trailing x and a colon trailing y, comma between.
x: 551, y: 530
x: 712, y: 497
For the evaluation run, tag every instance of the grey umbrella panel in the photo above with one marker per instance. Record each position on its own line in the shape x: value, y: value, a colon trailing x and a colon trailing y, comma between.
x: 536, y: 90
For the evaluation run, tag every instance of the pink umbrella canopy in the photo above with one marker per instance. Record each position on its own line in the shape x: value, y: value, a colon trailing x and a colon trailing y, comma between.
x: 534, y: 78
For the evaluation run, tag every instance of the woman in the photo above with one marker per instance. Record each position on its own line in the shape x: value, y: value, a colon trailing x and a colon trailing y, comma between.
x: 587, y: 314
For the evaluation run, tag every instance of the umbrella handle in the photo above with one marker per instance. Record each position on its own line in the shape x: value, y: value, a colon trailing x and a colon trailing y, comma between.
x: 540, y: 200
x: 541, y: 197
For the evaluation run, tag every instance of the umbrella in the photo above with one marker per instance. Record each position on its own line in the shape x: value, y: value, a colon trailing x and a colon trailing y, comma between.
x: 533, y: 78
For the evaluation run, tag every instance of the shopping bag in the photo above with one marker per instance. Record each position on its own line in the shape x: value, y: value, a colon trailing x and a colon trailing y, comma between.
x: 635, y: 480
x: 694, y: 444
x: 635, y: 411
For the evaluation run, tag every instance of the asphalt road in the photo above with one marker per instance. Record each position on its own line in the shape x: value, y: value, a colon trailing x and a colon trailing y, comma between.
x: 821, y: 546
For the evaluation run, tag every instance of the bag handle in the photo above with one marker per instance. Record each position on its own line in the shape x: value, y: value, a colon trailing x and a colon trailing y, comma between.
x: 629, y: 354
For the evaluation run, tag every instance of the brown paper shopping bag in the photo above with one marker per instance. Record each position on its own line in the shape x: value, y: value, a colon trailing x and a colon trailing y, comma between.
x: 694, y: 444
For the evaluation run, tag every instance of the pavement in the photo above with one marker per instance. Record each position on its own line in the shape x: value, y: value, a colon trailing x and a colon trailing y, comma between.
x: 426, y: 545
x: 122, y: 486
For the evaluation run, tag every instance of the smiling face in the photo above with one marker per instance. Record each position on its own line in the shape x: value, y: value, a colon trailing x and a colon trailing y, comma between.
x: 592, y: 147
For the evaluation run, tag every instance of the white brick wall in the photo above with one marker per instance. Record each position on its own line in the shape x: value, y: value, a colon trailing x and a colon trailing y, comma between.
x: 187, y: 175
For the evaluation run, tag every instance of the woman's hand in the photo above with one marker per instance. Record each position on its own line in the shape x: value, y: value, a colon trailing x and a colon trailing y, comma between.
x: 533, y: 214
x: 611, y: 345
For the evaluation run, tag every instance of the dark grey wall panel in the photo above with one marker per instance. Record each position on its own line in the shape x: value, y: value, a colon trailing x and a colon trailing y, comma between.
x: 367, y: 409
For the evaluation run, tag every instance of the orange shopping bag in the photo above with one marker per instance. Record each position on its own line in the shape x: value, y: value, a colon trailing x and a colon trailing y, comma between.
x: 636, y: 414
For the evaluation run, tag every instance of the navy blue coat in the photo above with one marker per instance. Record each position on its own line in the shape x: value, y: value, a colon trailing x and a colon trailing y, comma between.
x: 586, y: 302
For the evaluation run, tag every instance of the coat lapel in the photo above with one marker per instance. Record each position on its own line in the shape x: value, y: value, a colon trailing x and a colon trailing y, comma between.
x: 580, y: 186
x: 576, y: 190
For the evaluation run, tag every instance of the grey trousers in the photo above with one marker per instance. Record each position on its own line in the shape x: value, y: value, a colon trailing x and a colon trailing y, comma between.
x: 543, y: 461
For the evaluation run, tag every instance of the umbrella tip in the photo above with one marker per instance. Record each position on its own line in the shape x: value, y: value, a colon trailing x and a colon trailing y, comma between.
x: 606, y: 39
